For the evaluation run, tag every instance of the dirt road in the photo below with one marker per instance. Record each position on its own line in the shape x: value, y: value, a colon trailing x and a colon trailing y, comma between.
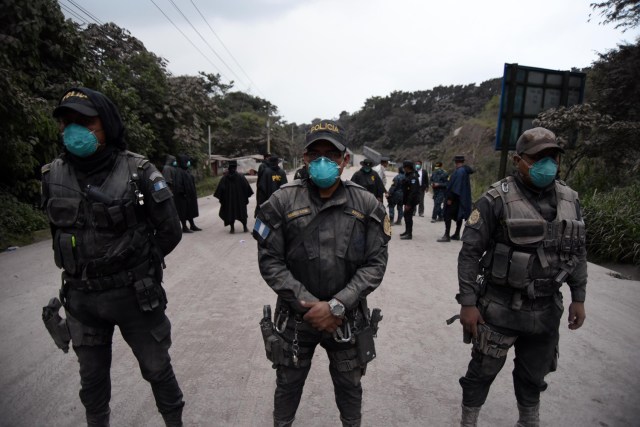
x: 216, y: 296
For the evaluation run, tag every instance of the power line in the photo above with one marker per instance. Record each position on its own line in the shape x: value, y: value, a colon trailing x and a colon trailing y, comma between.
x: 189, y: 40
x: 204, y: 40
x: 86, y: 12
x: 79, y: 18
x: 225, y: 48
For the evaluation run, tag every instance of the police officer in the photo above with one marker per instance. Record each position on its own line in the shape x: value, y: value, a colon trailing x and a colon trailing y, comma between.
x: 369, y: 179
x: 322, y: 247
x: 439, y: 179
x: 410, y: 197
x: 525, y: 237
x: 113, y: 221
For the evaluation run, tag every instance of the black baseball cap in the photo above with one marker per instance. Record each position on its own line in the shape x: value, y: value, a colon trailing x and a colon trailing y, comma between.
x: 326, y: 130
x: 77, y: 101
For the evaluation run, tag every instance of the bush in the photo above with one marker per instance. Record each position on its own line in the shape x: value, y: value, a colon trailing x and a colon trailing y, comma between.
x: 18, y: 221
x: 613, y: 224
x: 207, y: 186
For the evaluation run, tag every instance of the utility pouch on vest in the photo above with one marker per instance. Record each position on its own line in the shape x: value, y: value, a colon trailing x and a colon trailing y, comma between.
x: 117, y: 218
x: 519, y: 270
x: 64, y: 252
x: 365, y: 345
x: 149, y: 294
x: 500, y: 267
x: 100, y: 216
x: 526, y: 231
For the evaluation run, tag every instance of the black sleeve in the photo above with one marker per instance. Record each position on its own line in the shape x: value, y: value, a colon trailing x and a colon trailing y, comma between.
x: 160, y: 209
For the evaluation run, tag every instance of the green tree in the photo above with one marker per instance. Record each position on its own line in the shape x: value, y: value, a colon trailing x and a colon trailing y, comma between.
x: 624, y: 13
x: 40, y: 54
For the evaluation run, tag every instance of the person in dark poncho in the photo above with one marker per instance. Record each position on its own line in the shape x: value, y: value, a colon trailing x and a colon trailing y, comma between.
x: 233, y: 192
x: 369, y: 179
x: 184, y: 189
x: 169, y: 170
x: 457, y: 199
x: 270, y: 180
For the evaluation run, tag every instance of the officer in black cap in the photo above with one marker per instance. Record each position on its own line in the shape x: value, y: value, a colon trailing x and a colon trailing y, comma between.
x: 369, y: 179
x: 410, y: 197
x: 523, y: 240
x: 113, y: 222
x: 322, y: 247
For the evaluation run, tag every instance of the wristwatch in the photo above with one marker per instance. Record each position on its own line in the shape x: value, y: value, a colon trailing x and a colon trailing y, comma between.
x: 337, y: 308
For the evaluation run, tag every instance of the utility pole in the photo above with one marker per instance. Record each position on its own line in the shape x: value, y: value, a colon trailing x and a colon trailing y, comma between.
x: 268, y: 136
x: 209, y: 139
x: 295, y: 158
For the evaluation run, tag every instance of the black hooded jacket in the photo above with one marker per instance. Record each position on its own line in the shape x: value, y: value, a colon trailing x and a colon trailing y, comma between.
x: 94, y: 170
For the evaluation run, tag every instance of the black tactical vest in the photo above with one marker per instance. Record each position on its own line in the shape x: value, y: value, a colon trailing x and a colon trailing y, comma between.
x: 100, y: 231
x: 535, y: 249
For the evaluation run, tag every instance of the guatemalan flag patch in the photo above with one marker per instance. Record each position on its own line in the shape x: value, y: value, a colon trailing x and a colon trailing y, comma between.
x: 260, y: 230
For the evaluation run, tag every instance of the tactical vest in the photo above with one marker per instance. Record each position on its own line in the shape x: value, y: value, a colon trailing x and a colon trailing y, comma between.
x: 100, y: 231
x: 536, y: 255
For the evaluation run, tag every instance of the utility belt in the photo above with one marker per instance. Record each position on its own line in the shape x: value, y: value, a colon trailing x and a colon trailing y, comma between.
x: 537, y: 292
x: 284, y: 350
x: 105, y: 283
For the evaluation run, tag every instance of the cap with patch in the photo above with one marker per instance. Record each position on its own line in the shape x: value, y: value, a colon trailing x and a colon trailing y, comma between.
x: 407, y: 163
x: 326, y: 130
x: 76, y: 101
x: 534, y: 140
x: 367, y: 162
x: 458, y: 159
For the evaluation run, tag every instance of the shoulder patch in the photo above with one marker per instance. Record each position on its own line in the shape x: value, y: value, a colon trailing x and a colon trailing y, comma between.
x: 356, y: 213
x: 260, y: 230
x: 387, y: 226
x: 157, y: 186
x: 474, y: 217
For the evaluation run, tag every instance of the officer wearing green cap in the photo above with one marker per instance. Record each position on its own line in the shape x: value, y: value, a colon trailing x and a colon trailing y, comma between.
x: 523, y: 240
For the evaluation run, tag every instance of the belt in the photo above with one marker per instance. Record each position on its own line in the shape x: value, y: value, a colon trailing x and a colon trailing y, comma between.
x: 113, y: 281
x: 539, y: 289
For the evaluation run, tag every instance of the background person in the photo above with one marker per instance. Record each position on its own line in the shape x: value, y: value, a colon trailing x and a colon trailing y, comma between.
x: 439, y: 179
x: 369, y: 179
x: 457, y: 199
x: 233, y: 192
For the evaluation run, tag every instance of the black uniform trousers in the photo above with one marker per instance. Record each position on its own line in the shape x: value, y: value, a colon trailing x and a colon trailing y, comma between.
x: 536, y: 327
x: 91, y: 317
x: 290, y: 379
x: 408, y: 219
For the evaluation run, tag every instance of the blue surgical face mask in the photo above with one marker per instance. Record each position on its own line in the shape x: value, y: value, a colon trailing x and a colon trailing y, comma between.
x: 188, y: 163
x: 323, y: 172
x: 418, y: 167
x: 366, y: 169
x: 79, y: 140
x: 175, y: 163
x: 543, y: 172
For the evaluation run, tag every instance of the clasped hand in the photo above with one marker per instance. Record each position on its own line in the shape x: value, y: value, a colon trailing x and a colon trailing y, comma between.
x: 320, y: 317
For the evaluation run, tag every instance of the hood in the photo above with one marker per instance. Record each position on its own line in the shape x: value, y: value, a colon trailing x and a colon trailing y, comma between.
x: 169, y: 160
x: 109, y: 115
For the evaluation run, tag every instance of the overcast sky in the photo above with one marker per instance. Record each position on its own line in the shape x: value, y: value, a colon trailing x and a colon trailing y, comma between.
x: 317, y: 58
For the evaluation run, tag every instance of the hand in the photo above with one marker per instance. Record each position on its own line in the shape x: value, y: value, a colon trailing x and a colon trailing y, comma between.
x: 576, y: 315
x: 449, y: 202
x: 470, y: 317
x: 320, y: 317
x: 407, y: 208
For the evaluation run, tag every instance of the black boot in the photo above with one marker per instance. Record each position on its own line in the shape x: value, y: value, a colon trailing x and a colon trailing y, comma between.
x: 233, y: 230
x: 398, y: 222
x: 444, y: 238
x: 406, y: 237
x: 244, y: 227
x: 98, y: 420
x: 186, y: 230
x: 456, y: 236
x: 173, y: 419
x: 194, y: 227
